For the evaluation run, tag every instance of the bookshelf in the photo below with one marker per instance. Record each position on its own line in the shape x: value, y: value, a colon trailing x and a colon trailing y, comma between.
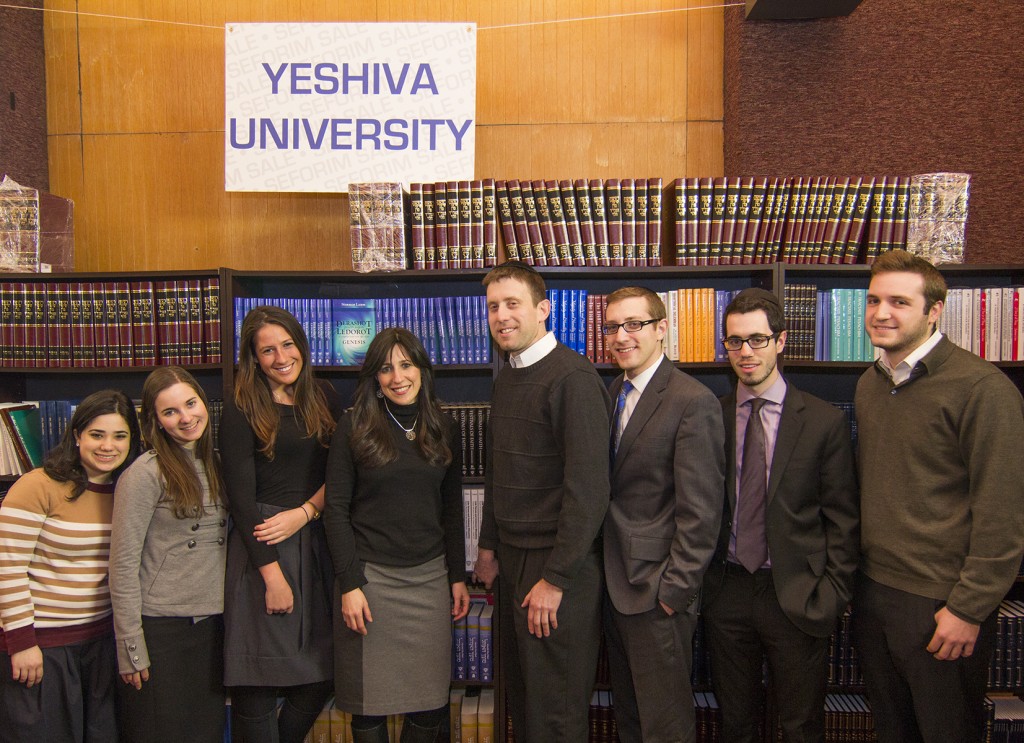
x: 471, y: 382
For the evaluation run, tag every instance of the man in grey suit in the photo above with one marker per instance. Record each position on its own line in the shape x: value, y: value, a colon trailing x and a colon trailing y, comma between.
x: 787, y: 552
x: 667, y: 473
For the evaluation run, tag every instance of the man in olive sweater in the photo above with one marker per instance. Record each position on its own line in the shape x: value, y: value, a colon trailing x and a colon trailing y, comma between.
x: 942, y: 512
x: 545, y: 496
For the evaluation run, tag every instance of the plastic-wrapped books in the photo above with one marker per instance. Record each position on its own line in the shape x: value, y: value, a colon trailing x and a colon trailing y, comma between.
x: 938, y: 216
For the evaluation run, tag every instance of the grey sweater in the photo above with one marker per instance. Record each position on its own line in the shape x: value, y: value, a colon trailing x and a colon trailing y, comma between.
x: 160, y: 565
x: 547, y: 473
x: 942, y: 480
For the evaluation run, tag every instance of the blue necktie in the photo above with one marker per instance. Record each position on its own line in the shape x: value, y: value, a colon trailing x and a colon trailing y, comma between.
x: 620, y: 407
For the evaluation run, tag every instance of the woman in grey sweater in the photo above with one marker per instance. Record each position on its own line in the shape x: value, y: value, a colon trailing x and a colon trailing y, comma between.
x: 167, y: 558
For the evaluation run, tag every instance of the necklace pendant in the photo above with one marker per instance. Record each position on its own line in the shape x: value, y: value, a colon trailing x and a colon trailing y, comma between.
x: 411, y: 435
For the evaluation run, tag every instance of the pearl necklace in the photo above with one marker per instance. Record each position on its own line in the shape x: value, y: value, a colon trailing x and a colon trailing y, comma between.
x: 410, y: 433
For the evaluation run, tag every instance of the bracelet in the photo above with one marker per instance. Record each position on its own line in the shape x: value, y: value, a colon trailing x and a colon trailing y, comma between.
x: 303, y: 508
x: 316, y: 513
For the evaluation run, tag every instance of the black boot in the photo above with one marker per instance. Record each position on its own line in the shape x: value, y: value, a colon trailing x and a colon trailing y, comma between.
x: 413, y: 733
x: 377, y: 734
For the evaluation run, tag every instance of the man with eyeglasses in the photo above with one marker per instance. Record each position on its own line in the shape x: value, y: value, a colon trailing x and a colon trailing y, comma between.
x: 667, y: 467
x: 787, y: 550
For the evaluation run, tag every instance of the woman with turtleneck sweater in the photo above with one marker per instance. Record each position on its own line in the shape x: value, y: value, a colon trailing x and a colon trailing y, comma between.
x: 394, y: 522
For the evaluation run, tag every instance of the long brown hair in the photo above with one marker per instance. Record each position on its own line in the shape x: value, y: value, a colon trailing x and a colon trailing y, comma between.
x: 371, y: 439
x: 182, y: 483
x: 63, y: 462
x: 252, y: 391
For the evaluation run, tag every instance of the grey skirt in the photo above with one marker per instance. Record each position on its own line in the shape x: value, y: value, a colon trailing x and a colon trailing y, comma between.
x: 403, y: 664
x: 263, y: 649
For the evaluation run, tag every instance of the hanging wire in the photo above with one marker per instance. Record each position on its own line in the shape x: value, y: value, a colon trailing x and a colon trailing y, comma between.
x: 581, y: 19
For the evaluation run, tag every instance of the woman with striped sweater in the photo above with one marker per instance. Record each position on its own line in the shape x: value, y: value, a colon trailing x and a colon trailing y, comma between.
x: 57, y: 661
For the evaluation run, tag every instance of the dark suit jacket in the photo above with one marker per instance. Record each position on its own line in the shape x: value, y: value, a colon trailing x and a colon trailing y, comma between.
x: 667, y: 480
x: 813, y: 513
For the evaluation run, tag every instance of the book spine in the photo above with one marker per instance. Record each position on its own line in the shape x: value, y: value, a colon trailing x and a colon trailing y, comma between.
x: 533, y: 224
x: 875, y: 216
x: 441, y: 224
x: 416, y: 229
x: 640, y: 221
x: 729, y: 217
x: 754, y: 218
x: 654, y: 223
x: 490, y: 225
x: 613, y: 211
x: 508, y: 229
x: 719, y: 195
x: 679, y: 220
x: 478, y: 223
x: 454, y: 225
x: 570, y: 212
x: 835, y: 217
x: 899, y: 235
x: 467, y: 248
x: 429, y: 239
x: 558, y: 224
x: 862, y: 211
x: 600, y: 215
x: 706, y: 196
x: 588, y: 237
x: 628, y: 202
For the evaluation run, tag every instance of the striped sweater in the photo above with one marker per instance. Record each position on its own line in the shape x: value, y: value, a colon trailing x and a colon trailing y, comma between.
x: 53, y: 563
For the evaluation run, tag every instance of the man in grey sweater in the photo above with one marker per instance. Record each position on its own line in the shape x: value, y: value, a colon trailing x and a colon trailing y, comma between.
x: 545, y: 496
x: 942, y: 512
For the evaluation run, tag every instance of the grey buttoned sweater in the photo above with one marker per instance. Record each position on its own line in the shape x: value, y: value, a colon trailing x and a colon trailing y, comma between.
x: 160, y: 565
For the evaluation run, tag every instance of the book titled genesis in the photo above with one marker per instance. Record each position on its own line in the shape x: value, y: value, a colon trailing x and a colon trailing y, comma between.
x: 352, y: 328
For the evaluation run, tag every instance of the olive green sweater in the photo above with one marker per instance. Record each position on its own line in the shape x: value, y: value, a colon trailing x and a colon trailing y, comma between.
x: 941, y: 461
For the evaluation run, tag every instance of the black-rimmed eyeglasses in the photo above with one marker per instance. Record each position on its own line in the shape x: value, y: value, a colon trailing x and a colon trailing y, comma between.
x: 734, y: 343
x: 631, y: 326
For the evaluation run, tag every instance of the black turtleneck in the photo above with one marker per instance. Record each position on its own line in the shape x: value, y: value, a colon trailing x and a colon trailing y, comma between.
x: 402, y: 514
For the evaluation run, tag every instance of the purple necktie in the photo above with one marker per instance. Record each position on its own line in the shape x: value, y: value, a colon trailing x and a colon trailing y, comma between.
x: 751, y: 542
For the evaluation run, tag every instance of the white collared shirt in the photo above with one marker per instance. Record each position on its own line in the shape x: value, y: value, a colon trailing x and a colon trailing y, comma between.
x: 903, y: 369
x: 639, y: 382
x: 534, y: 353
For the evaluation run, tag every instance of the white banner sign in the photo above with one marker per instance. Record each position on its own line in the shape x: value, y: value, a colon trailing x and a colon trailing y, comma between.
x: 315, y: 106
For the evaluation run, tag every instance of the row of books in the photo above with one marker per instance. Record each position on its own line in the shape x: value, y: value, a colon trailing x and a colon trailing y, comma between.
x: 472, y: 509
x: 1007, y: 723
x: 109, y: 323
x: 453, y: 330
x: 1006, y: 670
x: 453, y: 224
x: 610, y: 222
x: 814, y: 219
x: 827, y: 324
x: 988, y: 321
x: 333, y: 725
x: 471, y: 716
x: 473, y: 644
x: 28, y: 430
x: 377, y: 226
x: 694, y: 323
x: 472, y: 418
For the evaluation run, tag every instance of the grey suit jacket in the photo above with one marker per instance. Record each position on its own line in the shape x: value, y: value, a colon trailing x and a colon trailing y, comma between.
x: 667, y: 484
x: 813, y: 514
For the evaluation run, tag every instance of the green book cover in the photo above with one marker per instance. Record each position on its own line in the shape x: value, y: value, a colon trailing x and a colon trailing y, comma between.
x: 353, y: 326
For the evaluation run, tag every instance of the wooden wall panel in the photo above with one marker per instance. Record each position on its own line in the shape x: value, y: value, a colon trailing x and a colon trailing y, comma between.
x: 573, y: 88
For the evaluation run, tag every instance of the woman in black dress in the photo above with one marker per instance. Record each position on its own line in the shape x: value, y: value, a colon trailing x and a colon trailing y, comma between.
x: 395, y: 530
x: 273, y: 440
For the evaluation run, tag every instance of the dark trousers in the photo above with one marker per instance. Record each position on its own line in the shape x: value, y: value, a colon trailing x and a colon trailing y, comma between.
x: 73, y: 704
x: 184, y: 697
x: 914, y: 697
x: 745, y: 625
x: 650, y: 656
x: 549, y: 681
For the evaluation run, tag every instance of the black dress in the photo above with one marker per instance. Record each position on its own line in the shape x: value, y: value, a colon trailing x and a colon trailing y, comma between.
x: 263, y: 649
